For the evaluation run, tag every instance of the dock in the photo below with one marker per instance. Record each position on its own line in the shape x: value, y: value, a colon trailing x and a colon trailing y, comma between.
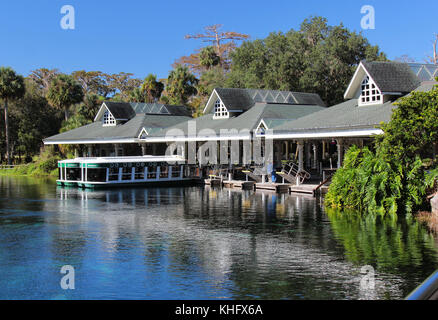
x: 308, y: 189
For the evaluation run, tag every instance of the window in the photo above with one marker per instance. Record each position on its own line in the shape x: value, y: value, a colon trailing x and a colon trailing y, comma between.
x: 108, y: 119
x: 219, y: 110
x: 370, y: 94
x: 261, y: 129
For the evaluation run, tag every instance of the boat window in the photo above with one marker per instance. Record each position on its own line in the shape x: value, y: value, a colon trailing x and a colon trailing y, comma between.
x: 152, y: 172
x: 176, y: 171
x: 113, y: 174
x: 73, y: 174
x: 139, y: 173
x: 164, y: 172
x: 127, y: 173
x: 96, y: 174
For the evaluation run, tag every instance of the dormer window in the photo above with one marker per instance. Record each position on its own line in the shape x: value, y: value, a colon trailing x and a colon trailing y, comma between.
x: 261, y: 130
x: 108, y: 119
x: 220, y: 112
x: 370, y: 94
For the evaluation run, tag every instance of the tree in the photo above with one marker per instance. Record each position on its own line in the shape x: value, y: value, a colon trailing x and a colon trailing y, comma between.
x: 152, y: 88
x: 123, y: 83
x: 64, y: 91
x: 181, y: 84
x: 208, y: 58
x: 43, y: 77
x: 11, y: 88
x: 394, y: 179
x: 92, y: 82
x: 316, y: 58
x: 223, y: 44
x: 434, y: 58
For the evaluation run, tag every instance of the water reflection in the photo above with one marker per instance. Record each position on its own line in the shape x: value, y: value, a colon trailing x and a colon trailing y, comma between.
x: 197, y: 243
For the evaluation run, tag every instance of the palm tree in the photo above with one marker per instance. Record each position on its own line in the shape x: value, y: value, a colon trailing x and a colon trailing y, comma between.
x: 11, y: 88
x: 64, y: 91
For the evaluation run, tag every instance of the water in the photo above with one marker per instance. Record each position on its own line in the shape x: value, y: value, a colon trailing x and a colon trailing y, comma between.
x: 198, y: 243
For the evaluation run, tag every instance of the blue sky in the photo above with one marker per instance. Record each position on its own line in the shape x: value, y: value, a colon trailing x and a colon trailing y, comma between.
x: 144, y: 37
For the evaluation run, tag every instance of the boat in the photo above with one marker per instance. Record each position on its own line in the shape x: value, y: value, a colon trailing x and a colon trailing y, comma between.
x: 101, y: 172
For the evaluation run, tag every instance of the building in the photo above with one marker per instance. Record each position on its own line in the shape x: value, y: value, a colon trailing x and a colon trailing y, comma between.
x: 299, y: 125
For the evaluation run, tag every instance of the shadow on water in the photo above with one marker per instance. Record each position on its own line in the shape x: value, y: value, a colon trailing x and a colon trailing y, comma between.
x: 197, y: 243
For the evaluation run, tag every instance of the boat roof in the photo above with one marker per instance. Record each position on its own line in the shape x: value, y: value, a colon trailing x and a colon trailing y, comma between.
x: 146, y: 158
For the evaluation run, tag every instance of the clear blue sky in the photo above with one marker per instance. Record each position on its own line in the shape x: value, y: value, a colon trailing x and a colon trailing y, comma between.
x: 144, y: 37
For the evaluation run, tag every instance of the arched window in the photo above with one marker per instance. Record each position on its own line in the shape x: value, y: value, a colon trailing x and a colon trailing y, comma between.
x: 370, y: 94
x: 108, y: 119
x: 219, y: 110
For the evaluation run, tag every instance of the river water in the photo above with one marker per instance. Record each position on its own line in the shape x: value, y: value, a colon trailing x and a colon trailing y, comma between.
x: 199, y: 243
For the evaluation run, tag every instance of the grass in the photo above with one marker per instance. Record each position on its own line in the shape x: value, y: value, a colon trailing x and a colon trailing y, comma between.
x: 43, y: 165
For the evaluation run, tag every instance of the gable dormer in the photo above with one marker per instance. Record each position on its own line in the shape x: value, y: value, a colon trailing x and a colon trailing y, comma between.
x: 220, y: 111
x: 378, y: 82
x: 114, y: 113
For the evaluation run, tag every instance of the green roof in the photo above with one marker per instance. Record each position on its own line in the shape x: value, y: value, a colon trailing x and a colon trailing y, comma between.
x: 346, y: 115
x: 128, y: 130
x: 248, y: 120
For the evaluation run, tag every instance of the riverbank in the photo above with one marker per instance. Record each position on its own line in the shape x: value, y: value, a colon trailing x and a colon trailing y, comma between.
x: 41, y: 166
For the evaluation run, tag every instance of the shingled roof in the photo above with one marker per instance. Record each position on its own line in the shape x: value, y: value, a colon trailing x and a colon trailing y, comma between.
x: 244, y: 99
x: 120, y: 110
x: 392, y: 76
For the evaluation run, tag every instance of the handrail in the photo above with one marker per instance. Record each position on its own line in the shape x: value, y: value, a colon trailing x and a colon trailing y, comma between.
x: 427, y: 290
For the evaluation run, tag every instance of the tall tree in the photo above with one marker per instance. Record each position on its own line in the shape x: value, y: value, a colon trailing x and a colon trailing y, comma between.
x: 11, y: 88
x: 64, y: 91
x: 223, y: 43
x: 123, y: 83
x: 181, y: 85
x: 43, y: 77
x: 152, y: 88
x: 92, y: 82
x: 208, y: 58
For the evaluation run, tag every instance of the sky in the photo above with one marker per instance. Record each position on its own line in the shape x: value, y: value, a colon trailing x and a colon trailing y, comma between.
x: 143, y: 37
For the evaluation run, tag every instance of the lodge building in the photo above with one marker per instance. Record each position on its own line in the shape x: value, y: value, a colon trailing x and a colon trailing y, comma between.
x: 303, y: 130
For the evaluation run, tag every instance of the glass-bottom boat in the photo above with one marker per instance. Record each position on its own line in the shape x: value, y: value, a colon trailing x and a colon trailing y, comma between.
x: 117, y: 171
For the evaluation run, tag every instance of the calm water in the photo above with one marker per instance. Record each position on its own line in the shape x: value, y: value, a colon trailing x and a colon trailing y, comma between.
x: 198, y: 243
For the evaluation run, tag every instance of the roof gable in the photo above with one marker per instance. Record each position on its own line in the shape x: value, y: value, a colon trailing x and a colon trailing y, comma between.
x: 389, y: 77
x: 119, y: 110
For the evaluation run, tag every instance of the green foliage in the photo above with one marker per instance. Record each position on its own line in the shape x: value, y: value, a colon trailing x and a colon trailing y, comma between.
x: 64, y: 91
x: 181, y: 85
x: 317, y: 58
x: 395, y: 179
x: 149, y: 91
x: 208, y: 57
x: 11, y: 84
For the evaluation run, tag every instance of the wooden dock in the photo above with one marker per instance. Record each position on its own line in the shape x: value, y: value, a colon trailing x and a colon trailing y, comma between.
x: 247, y: 185
x: 277, y: 187
x: 308, y: 189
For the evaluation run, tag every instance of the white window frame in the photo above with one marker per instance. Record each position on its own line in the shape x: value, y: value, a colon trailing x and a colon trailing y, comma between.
x: 108, y: 119
x: 220, y: 111
x: 370, y: 93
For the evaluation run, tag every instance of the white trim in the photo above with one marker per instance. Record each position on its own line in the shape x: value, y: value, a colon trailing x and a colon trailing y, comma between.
x: 141, y: 132
x: 327, y: 134
x: 129, y: 140
x: 98, y: 113
x: 199, y: 138
x: 347, y: 94
x: 209, y: 99
x: 262, y: 122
